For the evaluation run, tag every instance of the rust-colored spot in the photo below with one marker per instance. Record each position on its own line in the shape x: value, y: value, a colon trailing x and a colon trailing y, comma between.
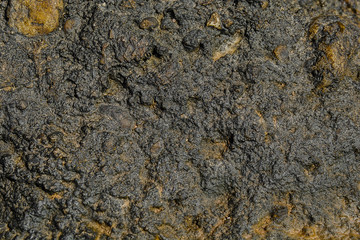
x: 99, y: 229
x: 55, y: 196
x: 210, y: 149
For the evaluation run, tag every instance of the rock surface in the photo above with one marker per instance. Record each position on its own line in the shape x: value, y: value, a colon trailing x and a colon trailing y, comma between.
x: 154, y: 119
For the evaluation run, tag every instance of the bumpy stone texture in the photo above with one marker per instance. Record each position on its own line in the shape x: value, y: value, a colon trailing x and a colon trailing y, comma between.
x: 35, y: 17
x: 180, y: 119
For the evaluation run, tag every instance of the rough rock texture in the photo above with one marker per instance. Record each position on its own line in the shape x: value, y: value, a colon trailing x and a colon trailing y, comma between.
x: 169, y: 119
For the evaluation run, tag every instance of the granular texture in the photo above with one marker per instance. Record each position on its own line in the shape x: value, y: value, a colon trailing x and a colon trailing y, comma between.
x: 179, y: 119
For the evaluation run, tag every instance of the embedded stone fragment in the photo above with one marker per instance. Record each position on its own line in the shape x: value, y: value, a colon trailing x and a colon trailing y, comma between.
x: 214, y: 21
x: 149, y: 23
x: 35, y: 17
x: 228, y: 47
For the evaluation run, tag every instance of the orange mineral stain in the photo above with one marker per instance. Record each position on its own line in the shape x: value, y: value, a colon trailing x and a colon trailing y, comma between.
x: 35, y: 17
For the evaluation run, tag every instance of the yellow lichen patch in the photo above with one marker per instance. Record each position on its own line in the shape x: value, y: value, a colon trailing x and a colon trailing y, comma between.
x: 266, y: 226
x: 210, y: 149
x: 264, y: 4
x: 168, y: 231
x: 314, y: 28
x: 228, y: 47
x: 307, y: 232
x: 99, y: 229
x: 18, y: 160
x: 343, y: 222
x: 262, y: 227
x: 191, y: 227
x: 280, y: 85
x: 8, y: 89
x: 156, y: 209
x: 55, y: 196
x: 35, y: 17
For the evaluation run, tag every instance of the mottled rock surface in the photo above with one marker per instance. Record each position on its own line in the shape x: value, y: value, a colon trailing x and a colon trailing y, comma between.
x: 154, y: 119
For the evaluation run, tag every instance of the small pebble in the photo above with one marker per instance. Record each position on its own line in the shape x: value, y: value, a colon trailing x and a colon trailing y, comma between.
x: 149, y: 23
x: 214, y: 21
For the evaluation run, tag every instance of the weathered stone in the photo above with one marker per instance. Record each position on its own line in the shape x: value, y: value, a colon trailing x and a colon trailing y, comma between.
x: 180, y: 131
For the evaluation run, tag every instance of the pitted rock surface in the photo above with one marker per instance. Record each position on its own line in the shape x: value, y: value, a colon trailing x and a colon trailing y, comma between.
x: 154, y: 119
